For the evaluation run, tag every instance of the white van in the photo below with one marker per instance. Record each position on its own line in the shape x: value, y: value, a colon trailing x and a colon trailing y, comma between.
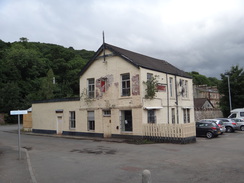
x: 237, y: 113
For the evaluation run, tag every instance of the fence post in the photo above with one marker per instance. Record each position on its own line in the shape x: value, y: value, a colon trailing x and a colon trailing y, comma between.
x: 146, y: 176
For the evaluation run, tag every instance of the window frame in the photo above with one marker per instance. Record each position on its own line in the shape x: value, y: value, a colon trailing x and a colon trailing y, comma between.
x: 151, y: 116
x: 72, y: 120
x: 186, y: 115
x: 125, y: 85
x: 171, y: 86
x: 106, y: 113
x: 91, y: 88
x: 149, y: 76
x: 184, y: 84
x: 90, y: 121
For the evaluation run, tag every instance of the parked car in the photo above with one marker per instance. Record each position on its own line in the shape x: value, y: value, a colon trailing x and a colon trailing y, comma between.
x: 218, y: 122
x: 230, y: 124
x: 240, y: 123
x: 207, y: 129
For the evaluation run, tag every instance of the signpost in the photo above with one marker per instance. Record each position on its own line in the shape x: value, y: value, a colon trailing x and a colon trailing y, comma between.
x: 19, y: 112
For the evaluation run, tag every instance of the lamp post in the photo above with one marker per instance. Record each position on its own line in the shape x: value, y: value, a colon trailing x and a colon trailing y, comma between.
x: 228, y: 77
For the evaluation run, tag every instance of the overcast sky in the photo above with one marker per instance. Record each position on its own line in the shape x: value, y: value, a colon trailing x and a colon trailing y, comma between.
x: 206, y: 36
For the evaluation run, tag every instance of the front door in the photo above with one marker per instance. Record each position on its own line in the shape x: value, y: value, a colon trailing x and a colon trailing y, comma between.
x: 126, y: 121
x: 60, y: 125
x: 107, y: 127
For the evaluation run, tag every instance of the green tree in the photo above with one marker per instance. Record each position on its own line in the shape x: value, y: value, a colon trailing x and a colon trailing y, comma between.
x: 151, y: 85
x: 47, y: 86
x: 236, y: 78
x: 23, y: 39
x: 27, y: 70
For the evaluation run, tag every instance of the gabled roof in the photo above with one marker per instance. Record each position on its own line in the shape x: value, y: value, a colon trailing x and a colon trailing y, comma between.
x: 138, y: 60
x: 199, y: 102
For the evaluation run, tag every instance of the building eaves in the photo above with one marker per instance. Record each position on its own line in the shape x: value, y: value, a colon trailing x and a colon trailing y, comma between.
x: 57, y: 100
x: 138, y: 60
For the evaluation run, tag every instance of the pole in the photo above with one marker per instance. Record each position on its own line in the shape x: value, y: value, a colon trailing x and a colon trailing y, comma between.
x: 19, y: 137
x: 228, y: 77
x: 19, y: 112
x: 104, y: 48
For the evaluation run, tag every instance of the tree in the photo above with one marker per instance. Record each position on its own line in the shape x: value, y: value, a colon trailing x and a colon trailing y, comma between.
x: 48, y: 86
x: 27, y: 70
x: 236, y: 78
x: 151, y: 85
x: 199, y: 79
x: 23, y: 39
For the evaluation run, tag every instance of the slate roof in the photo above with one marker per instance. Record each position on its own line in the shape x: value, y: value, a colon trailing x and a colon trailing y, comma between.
x: 139, y: 60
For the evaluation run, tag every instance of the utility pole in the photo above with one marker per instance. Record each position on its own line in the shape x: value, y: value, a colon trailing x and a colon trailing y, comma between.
x: 228, y: 77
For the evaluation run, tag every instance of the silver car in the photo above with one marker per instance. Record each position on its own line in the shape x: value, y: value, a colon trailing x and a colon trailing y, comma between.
x: 218, y: 122
x: 230, y: 124
x: 240, y: 123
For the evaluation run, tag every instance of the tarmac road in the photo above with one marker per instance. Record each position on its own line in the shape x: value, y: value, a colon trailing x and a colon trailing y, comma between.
x: 80, y: 160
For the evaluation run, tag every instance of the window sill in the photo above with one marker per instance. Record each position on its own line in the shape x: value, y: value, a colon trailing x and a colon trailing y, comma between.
x: 125, y: 97
x: 126, y: 132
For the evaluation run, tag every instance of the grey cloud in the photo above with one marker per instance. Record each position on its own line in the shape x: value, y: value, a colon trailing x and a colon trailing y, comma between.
x: 208, y: 44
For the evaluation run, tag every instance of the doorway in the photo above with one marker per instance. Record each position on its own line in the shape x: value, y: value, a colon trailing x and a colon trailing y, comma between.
x: 126, y: 121
x: 59, y: 125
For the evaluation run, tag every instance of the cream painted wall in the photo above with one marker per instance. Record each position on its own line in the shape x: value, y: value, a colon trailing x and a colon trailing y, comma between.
x: 167, y: 102
x: 111, y: 69
x: 44, y: 115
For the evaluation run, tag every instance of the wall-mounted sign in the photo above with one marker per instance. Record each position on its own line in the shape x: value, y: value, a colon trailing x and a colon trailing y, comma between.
x: 161, y: 87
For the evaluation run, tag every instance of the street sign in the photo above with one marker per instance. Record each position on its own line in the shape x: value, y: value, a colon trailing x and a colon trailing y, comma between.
x: 19, y: 112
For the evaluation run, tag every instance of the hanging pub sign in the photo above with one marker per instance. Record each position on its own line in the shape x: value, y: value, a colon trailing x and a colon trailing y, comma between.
x: 161, y: 87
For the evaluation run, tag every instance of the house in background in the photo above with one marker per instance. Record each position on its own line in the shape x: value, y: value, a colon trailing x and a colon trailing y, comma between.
x: 206, y: 102
x: 202, y: 103
x: 209, y: 92
x: 115, y: 100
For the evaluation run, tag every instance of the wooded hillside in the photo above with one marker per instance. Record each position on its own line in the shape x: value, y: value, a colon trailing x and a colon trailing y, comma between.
x: 36, y: 71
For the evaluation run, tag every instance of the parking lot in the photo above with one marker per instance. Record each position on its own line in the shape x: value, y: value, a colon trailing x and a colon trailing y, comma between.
x: 70, y: 160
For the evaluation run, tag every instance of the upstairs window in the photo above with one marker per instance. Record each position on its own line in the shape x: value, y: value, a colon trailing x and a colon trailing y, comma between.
x: 171, y: 87
x: 91, y: 88
x: 125, y: 84
x: 184, y: 88
x: 149, y: 76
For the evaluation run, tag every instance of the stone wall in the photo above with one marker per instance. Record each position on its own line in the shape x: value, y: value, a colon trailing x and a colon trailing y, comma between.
x: 207, y: 114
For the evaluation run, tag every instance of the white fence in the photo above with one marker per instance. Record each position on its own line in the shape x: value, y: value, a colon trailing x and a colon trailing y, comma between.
x: 178, y: 133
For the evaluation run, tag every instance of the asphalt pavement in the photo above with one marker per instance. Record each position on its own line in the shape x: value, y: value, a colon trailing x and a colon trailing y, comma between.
x: 77, y: 159
x: 15, y: 166
x: 13, y: 169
